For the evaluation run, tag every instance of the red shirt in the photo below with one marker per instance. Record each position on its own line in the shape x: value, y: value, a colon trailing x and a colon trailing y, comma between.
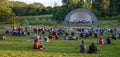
x: 56, y: 37
x: 36, y: 44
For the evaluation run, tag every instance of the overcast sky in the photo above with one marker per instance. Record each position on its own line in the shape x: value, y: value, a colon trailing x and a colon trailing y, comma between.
x: 45, y: 2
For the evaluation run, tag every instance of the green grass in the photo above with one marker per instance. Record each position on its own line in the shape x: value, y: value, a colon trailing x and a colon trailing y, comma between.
x: 16, y: 46
x: 34, y: 17
x: 47, y: 20
x: 109, y: 23
x: 34, y: 20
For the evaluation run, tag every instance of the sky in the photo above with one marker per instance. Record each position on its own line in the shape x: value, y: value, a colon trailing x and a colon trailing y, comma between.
x: 44, y: 2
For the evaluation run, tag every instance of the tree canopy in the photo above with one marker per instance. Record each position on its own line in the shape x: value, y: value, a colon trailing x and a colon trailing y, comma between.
x: 5, y: 10
x: 101, y: 8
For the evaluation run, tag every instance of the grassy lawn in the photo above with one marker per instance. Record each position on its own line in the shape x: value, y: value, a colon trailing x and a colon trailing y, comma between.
x: 36, y: 20
x: 19, y: 46
x: 47, y: 20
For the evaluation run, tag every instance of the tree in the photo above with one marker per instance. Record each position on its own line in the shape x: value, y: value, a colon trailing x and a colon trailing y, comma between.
x: 19, y: 8
x: 49, y: 10
x: 35, y: 8
x: 70, y: 3
x: 97, y: 5
x: 118, y: 6
x: 114, y: 7
x: 86, y: 4
x: 5, y: 10
x: 105, y: 6
x: 60, y: 13
x: 101, y: 6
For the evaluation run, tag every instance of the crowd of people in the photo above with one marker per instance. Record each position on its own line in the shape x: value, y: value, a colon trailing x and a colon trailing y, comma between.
x: 68, y: 33
x: 80, y: 22
x: 84, y: 32
x: 19, y: 31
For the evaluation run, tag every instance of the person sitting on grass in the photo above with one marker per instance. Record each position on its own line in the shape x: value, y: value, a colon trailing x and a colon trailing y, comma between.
x: 73, y: 37
x: 66, y: 37
x: 108, y: 40
x: 82, y: 47
x: 92, y: 48
x: 2, y: 37
x: 38, y: 45
x: 81, y: 34
x: 95, y: 35
x: 41, y: 47
x: 101, y: 41
x: 113, y: 37
x: 46, y: 39
x: 57, y: 37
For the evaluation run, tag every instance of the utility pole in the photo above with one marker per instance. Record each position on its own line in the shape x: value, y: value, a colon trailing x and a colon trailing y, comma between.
x: 14, y: 20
